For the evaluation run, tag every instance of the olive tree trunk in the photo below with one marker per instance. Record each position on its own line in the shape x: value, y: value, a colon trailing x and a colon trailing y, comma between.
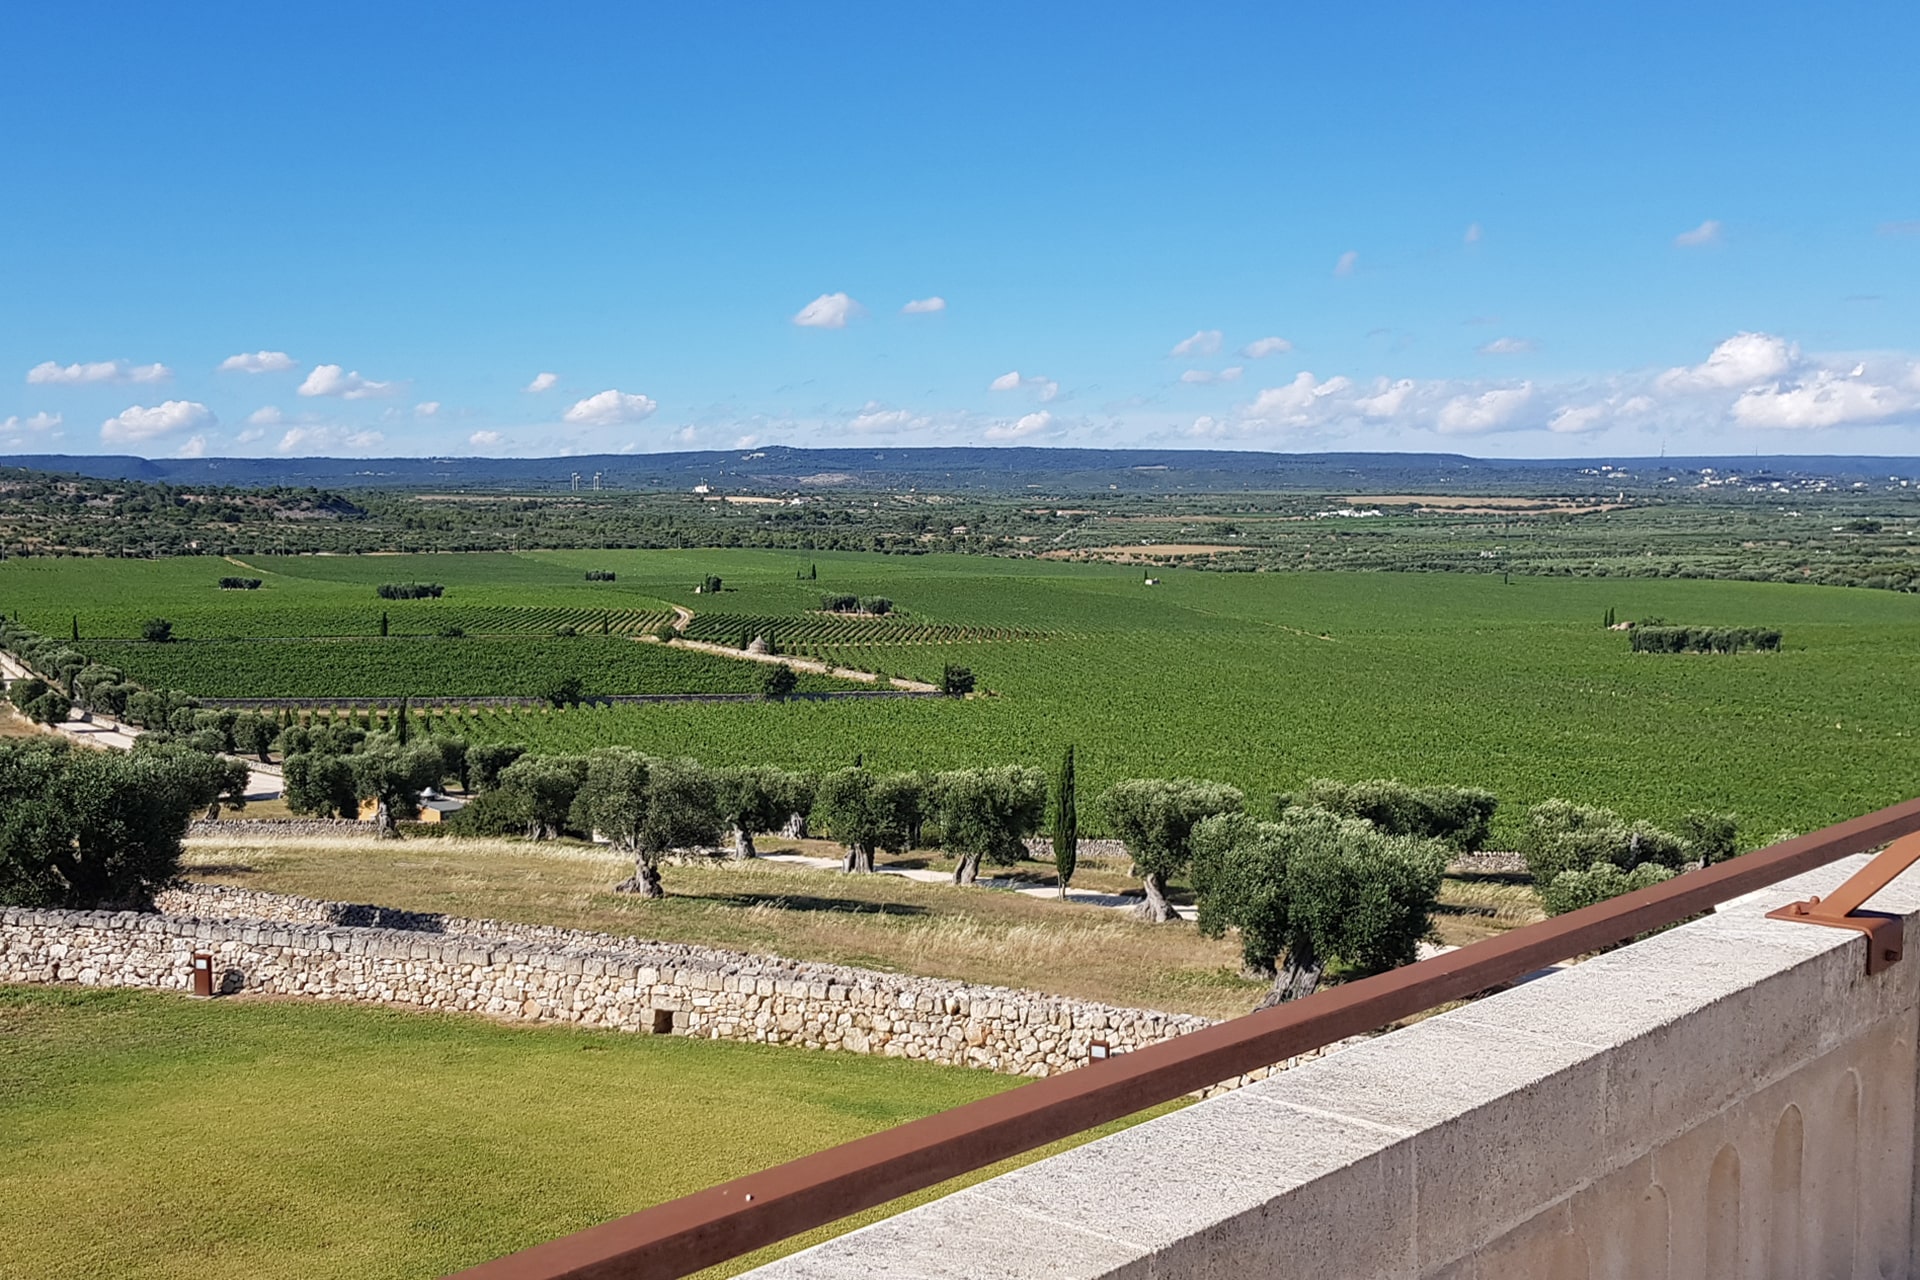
x: 743, y: 844
x: 645, y: 880
x: 1155, y: 908
x: 1295, y: 979
x: 859, y: 860
x: 967, y: 870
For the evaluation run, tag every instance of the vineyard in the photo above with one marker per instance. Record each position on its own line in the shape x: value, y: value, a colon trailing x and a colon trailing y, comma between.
x: 1258, y: 679
x: 422, y: 666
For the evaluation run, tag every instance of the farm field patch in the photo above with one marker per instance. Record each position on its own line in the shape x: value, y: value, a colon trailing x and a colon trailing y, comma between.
x: 147, y: 1135
x: 1259, y: 679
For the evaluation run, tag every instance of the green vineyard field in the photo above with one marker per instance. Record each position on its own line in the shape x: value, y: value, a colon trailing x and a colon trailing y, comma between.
x: 1260, y: 679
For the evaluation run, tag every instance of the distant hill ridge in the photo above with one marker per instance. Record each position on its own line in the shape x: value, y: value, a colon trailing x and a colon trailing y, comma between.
x: 994, y: 470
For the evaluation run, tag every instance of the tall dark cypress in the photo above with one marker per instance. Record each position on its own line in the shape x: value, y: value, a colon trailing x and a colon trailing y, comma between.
x: 1066, y: 823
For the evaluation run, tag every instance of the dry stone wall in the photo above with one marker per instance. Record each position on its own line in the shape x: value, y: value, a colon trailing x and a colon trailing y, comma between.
x: 274, y: 945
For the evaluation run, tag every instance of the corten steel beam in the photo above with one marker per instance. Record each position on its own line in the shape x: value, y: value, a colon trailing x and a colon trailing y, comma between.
x: 1842, y: 909
x: 686, y: 1235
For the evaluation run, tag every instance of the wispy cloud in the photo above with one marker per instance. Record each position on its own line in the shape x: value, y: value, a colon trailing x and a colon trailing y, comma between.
x: 39, y: 424
x: 543, y: 382
x: 924, y: 306
x: 829, y: 311
x: 259, y: 362
x: 1507, y: 347
x: 52, y: 373
x: 1349, y: 263
x: 1231, y: 374
x: 1472, y: 235
x: 485, y: 439
x: 322, y: 439
x: 1261, y: 348
x: 1707, y: 233
x: 610, y: 408
x: 1204, y: 343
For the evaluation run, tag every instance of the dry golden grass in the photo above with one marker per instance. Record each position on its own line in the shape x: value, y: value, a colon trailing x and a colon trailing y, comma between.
x: 881, y: 922
x: 1473, y: 907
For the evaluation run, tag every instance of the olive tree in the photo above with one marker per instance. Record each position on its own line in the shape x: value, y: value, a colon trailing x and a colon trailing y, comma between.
x: 393, y: 776
x: 1154, y: 818
x: 987, y: 815
x: 96, y: 829
x: 866, y: 812
x: 1314, y: 888
x: 753, y: 800
x: 487, y: 760
x: 658, y: 806
x: 254, y: 734
x: 540, y: 791
x: 319, y: 783
x: 1563, y: 836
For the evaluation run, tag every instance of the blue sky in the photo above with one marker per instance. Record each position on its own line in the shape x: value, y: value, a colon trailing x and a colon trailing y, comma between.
x: 1500, y: 229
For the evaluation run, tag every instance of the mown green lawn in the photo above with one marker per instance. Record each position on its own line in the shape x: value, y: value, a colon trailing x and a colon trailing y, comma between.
x: 147, y: 1135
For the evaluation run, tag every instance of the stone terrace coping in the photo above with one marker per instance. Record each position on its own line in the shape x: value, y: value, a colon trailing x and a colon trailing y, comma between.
x: 1731, y: 1097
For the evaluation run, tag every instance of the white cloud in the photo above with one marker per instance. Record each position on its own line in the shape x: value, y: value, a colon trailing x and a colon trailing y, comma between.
x: 427, y: 409
x: 1473, y: 234
x: 485, y: 439
x: 1491, y: 410
x: 1388, y: 399
x: 1744, y: 360
x: 1823, y: 399
x: 875, y: 420
x: 829, y: 311
x: 543, y: 382
x: 266, y: 416
x: 1044, y: 388
x: 1297, y: 404
x: 259, y: 362
x: 1261, y: 348
x: 1507, y: 347
x: 1031, y: 424
x: 38, y: 423
x: 924, y: 306
x: 138, y: 423
x: 250, y: 435
x: 1707, y: 233
x: 193, y: 447
x: 47, y: 372
x: 1231, y: 374
x: 685, y: 435
x: 610, y: 408
x: 1349, y: 262
x: 1204, y: 343
x: 332, y: 380
x: 312, y: 439
x: 1574, y: 420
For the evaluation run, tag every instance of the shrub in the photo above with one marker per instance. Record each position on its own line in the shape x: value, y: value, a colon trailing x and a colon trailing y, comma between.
x: 601, y: 575
x: 1563, y: 836
x: 710, y: 585
x: 239, y: 584
x: 1571, y: 890
x: 956, y: 682
x: 156, y: 631
x: 1460, y: 816
x: 779, y: 682
x: 409, y: 590
x: 1648, y: 638
x: 840, y: 603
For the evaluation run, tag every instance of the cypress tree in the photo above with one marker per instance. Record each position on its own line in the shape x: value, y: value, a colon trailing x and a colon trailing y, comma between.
x: 1066, y: 823
x: 76, y: 626
x: 400, y: 723
x: 383, y: 622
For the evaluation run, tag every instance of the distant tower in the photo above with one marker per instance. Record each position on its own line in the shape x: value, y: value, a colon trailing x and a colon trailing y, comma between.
x: 574, y: 486
x: 596, y: 482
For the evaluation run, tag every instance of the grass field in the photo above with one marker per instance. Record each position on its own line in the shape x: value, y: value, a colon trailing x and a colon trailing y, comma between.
x: 146, y: 1135
x: 1257, y: 679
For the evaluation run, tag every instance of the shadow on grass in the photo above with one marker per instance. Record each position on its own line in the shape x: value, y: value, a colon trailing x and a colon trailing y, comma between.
x: 805, y: 902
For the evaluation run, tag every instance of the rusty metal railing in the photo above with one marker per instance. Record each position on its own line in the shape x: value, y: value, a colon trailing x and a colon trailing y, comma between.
x: 683, y: 1236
